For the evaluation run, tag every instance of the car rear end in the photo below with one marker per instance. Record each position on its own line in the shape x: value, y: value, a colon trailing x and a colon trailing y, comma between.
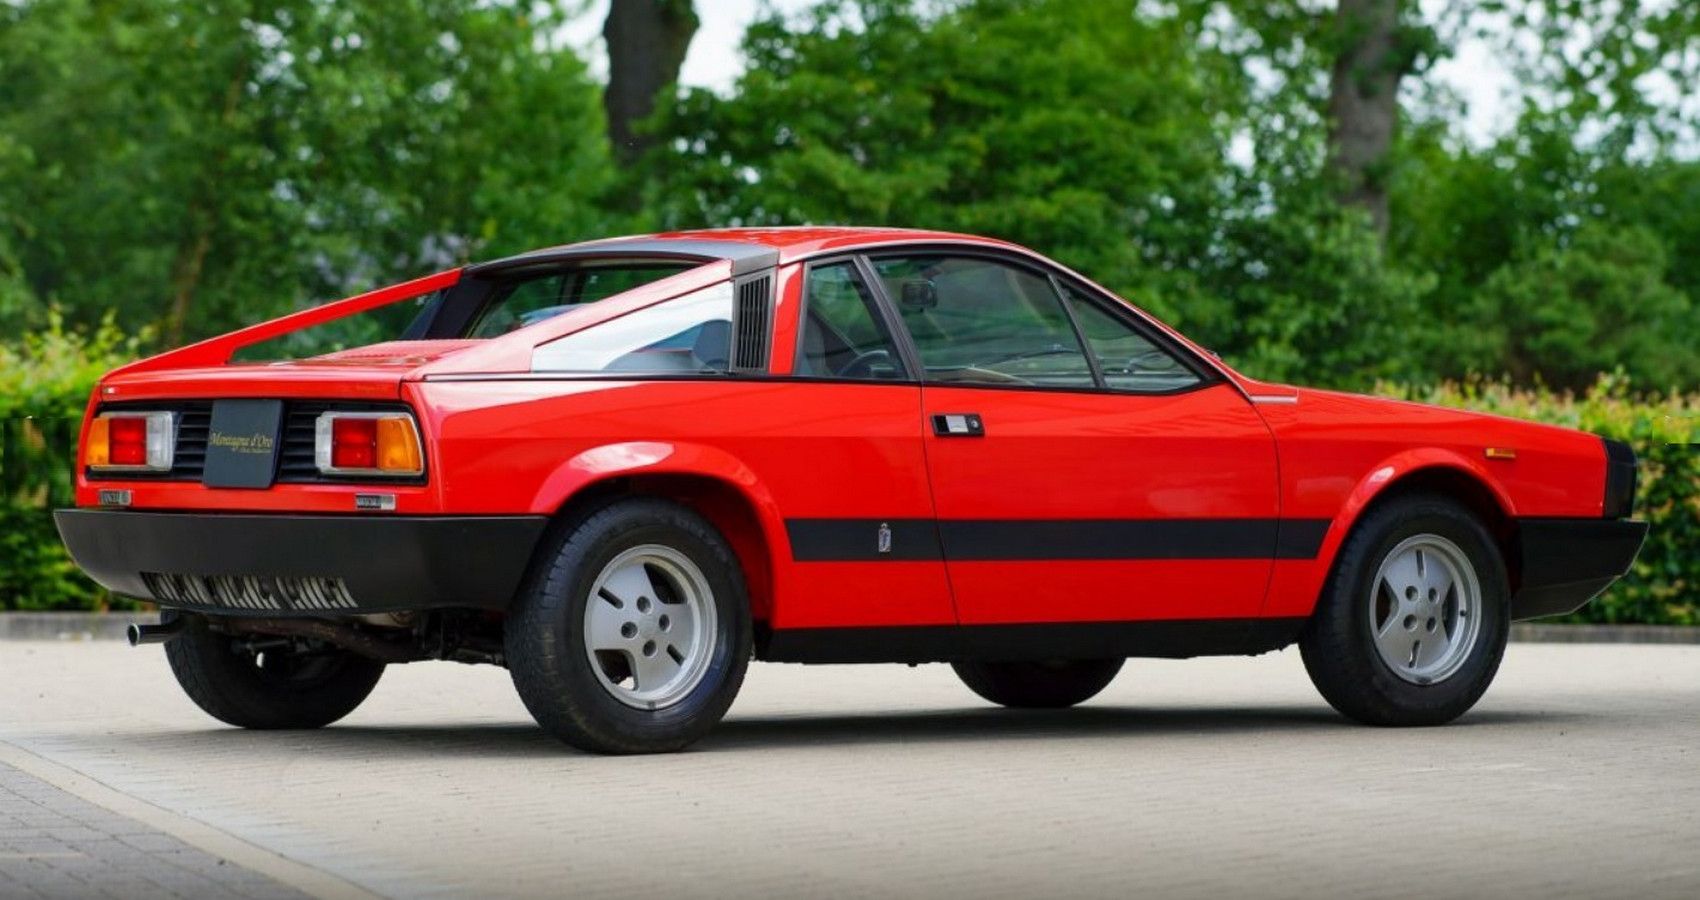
x: 284, y: 495
x: 296, y: 503
x: 289, y: 469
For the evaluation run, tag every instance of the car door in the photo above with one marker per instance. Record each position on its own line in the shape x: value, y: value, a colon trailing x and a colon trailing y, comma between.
x: 1128, y: 484
x: 858, y: 509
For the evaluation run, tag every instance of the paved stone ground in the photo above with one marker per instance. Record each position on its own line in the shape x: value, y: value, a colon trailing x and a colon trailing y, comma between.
x: 1576, y: 777
x: 55, y: 844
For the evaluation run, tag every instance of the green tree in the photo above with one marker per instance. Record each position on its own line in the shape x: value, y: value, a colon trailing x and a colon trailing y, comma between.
x: 1565, y: 314
x: 205, y: 164
x: 18, y: 307
x: 1092, y: 132
x: 1072, y: 126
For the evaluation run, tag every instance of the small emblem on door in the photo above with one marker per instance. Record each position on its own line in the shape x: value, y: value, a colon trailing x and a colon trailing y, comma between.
x: 885, y: 538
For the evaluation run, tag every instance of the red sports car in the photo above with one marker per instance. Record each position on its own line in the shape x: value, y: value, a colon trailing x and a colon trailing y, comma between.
x: 622, y: 468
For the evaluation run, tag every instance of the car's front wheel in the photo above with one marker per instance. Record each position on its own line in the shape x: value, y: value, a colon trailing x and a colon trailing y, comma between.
x: 261, y: 682
x: 1412, y: 624
x: 635, y: 632
x: 1038, y: 685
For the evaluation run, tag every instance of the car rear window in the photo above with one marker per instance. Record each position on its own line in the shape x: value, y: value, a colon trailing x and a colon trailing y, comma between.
x: 688, y: 335
x: 527, y: 301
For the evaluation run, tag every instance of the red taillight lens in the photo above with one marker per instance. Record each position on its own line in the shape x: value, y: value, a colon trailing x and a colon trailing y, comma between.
x: 354, y: 443
x: 127, y: 438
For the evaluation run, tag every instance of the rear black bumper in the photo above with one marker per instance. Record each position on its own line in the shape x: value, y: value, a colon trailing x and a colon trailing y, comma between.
x: 303, y: 565
x: 1567, y: 562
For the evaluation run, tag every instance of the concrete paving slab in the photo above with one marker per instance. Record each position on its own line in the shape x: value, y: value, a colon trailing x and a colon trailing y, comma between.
x: 92, y: 861
x: 1576, y: 776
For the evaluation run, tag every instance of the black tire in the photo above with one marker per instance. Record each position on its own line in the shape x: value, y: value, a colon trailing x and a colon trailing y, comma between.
x: 1338, y: 644
x: 546, y: 650
x: 272, y: 690
x: 1038, y: 685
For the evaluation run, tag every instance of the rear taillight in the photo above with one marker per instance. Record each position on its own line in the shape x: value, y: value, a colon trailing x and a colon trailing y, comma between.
x: 131, y: 442
x: 364, y: 443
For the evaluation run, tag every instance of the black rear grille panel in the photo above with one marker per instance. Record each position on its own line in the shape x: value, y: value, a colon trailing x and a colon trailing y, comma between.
x: 295, y: 462
x: 193, y: 423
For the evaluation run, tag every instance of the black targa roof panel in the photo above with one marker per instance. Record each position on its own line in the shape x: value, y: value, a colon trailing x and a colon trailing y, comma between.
x: 745, y: 257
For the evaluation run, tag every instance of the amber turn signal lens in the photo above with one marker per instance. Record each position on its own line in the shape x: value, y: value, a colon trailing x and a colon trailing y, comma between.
x: 398, y: 446
x: 97, y: 448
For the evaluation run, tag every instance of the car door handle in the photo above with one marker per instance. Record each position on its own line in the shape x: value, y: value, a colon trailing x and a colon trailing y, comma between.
x: 958, y: 425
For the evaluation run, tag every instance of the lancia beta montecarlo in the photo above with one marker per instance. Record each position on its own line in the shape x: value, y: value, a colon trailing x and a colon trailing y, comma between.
x: 623, y: 468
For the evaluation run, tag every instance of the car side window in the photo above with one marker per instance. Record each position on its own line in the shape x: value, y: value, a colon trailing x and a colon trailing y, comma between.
x: 683, y: 336
x: 842, y: 335
x: 1129, y: 360
x: 977, y: 320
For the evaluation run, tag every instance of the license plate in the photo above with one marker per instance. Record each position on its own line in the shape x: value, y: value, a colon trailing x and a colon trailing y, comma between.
x: 242, y: 444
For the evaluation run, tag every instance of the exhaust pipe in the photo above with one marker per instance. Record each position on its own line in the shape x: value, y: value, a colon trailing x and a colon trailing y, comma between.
x: 333, y: 633
x: 139, y: 634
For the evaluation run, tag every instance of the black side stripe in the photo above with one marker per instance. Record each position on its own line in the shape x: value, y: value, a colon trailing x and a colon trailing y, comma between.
x: 1301, y: 538
x: 858, y: 540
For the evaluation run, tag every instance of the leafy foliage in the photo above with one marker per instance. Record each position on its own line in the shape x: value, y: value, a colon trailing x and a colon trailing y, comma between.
x: 205, y: 165
x: 45, y: 382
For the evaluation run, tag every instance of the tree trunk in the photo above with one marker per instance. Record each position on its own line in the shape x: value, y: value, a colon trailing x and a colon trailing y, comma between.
x: 186, y: 280
x: 1363, y: 102
x: 191, y: 258
x: 647, y: 40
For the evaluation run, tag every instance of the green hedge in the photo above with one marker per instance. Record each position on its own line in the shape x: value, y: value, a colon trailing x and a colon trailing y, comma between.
x: 45, y: 379
x: 45, y: 382
x: 1664, y: 586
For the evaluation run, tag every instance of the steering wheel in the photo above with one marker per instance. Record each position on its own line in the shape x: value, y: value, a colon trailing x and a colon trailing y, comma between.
x: 863, y: 364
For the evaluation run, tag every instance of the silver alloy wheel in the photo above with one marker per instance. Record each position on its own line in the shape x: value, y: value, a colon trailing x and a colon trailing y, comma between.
x: 649, y: 626
x: 1425, y: 609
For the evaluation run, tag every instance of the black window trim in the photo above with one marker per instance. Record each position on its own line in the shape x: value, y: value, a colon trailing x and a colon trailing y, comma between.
x: 883, y: 320
x: 1208, y: 376
x: 1120, y: 311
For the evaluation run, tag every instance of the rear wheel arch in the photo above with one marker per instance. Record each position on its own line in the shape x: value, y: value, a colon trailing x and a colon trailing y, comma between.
x: 730, y: 509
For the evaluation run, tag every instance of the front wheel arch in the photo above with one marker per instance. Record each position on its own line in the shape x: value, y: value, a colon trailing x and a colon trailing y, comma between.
x: 1420, y: 475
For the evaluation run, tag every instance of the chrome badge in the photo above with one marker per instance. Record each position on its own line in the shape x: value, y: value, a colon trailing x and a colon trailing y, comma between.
x: 885, y: 538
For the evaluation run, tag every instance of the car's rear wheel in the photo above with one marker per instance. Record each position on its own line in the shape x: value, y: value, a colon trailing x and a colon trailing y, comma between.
x: 635, y: 632
x: 267, y: 683
x: 1412, y: 624
x: 1038, y: 685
